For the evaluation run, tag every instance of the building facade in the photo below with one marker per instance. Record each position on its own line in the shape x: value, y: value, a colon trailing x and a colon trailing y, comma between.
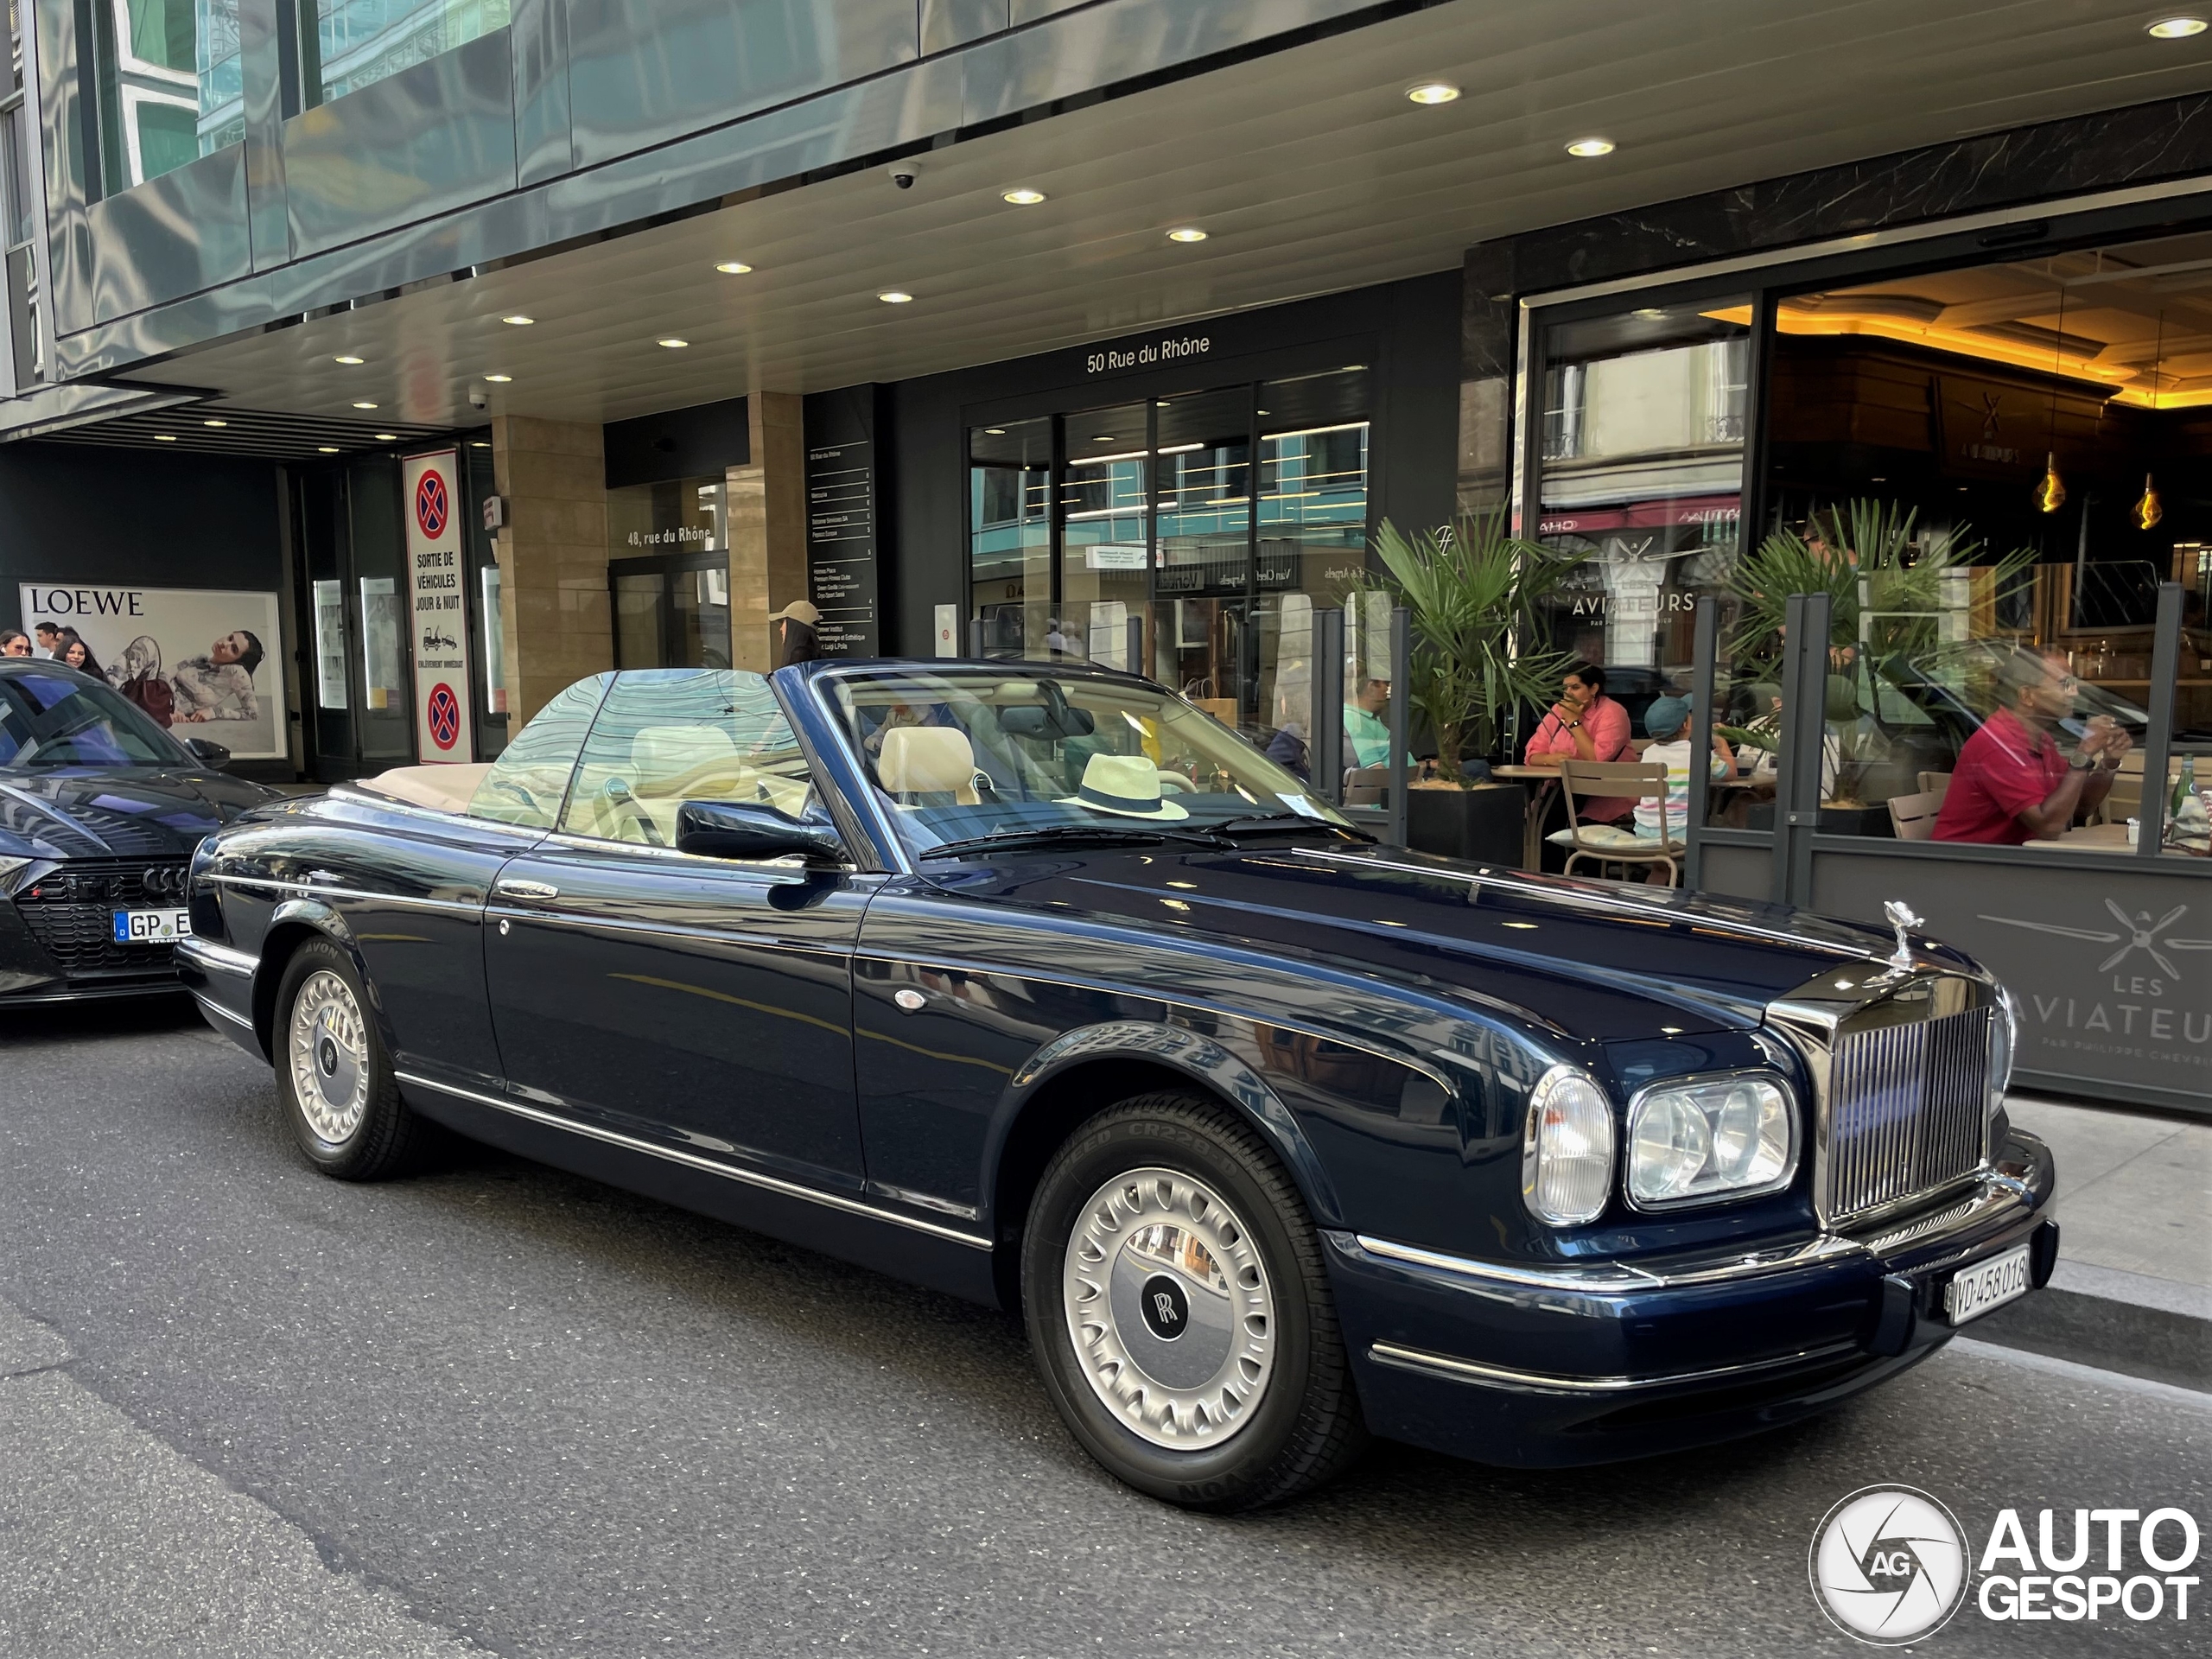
x: 468, y: 346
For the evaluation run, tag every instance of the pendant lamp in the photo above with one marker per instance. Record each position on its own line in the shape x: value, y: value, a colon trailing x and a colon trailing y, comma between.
x: 2147, y: 511
x: 2050, y: 489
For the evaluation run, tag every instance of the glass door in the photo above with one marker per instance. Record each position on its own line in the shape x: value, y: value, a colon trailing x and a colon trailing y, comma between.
x: 359, y: 720
x: 671, y: 611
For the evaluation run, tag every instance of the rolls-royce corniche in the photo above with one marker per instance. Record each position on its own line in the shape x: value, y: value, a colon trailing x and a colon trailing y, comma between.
x: 100, y: 810
x: 1034, y: 984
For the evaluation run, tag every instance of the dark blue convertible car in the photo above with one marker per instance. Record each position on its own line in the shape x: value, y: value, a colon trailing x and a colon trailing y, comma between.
x: 1034, y: 983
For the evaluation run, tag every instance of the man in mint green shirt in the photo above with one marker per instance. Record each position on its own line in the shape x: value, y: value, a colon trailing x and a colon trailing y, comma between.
x: 1367, y: 736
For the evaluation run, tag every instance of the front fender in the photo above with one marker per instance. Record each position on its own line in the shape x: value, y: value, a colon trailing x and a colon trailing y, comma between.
x: 1205, y: 1059
x: 292, y: 921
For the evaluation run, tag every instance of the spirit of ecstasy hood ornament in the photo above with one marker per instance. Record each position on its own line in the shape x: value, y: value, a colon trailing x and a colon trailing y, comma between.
x: 1901, y: 917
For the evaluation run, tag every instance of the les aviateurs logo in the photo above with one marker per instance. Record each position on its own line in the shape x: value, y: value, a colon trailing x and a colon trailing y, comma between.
x: 1888, y: 1565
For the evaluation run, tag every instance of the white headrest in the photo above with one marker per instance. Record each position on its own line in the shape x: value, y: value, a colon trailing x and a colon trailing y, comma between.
x: 660, y: 756
x: 927, y: 759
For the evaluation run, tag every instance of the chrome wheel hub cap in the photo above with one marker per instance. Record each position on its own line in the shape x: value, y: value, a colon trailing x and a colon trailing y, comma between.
x: 330, y: 1057
x: 1169, y: 1308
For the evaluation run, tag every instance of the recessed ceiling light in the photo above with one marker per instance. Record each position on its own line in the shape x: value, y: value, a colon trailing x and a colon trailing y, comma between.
x: 1023, y: 197
x: 498, y: 379
x: 164, y: 437
x: 2176, y: 28
x: 1432, y: 91
x: 326, y: 448
x: 995, y: 431
x: 387, y: 437
x: 1105, y: 437
x: 1188, y: 234
x: 1650, y: 314
x: 732, y: 268
x: 350, y: 360
x: 673, y: 343
x: 895, y: 296
x: 363, y: 402
x: 214, y: 423
x: 1588, y: 147
x: 519, y: 320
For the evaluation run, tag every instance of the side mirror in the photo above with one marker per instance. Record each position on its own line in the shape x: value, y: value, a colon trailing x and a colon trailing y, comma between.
x: 210, y: 755
x: 745, y: 829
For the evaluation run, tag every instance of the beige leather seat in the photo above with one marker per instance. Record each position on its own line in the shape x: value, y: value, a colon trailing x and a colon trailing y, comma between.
x: 442, y: 789
x: 928, y: 760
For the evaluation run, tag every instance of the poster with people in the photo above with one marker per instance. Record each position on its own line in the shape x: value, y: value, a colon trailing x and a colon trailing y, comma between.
x: 201, y: 662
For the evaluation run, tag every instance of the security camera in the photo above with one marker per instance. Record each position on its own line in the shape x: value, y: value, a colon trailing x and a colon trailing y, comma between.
x: 478, y: 398
x: 903, y: 174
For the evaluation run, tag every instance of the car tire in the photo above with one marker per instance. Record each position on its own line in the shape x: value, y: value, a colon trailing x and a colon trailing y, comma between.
x: 341, y: 1101
x: 1166, y: 1220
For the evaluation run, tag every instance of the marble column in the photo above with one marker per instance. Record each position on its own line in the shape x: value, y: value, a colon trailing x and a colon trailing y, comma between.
x: 766, y: 501
x: 552, y: 555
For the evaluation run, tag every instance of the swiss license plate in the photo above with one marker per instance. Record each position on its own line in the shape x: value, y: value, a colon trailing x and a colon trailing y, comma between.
x: 1973, y: 1291
x: 152, y: 926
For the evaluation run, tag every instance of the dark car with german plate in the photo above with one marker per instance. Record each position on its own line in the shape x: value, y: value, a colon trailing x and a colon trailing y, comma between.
x: 100, y: 810
x: 1034, y: 984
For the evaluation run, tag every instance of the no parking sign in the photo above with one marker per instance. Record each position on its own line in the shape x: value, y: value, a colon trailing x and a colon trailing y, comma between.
x: 444, y: 728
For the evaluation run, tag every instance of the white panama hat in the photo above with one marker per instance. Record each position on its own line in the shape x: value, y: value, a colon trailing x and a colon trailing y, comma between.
x: 1127, y: 786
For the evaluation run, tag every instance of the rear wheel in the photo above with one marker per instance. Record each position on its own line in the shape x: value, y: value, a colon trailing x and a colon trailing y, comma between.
x: 1179, y: 1308
x: 340, y: 1098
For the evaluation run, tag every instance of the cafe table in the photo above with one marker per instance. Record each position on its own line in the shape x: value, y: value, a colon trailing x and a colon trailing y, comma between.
x: 2109, y: 838
x: 1541, y: 778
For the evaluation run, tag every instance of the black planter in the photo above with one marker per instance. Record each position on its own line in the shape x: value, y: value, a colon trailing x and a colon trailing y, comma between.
x: 1834, y: 820
x: 1483, y: 824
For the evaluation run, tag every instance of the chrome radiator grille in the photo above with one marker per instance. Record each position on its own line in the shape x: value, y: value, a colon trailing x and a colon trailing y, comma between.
x: 1907, y: 1110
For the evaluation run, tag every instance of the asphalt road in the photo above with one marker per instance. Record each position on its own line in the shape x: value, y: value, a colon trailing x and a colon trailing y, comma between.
x: 246, y: 1410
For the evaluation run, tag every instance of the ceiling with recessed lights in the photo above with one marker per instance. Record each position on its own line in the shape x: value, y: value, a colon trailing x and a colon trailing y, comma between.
x: 1307, y: 170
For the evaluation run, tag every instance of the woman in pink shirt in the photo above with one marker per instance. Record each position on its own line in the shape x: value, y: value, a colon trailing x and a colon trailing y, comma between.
x: 1584, y: 724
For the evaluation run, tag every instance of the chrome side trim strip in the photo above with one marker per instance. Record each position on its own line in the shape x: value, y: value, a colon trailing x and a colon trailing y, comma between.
x: 219, y: 958
x: 208, y: 1005
x: 674, y: 1155
x: 1598, y: 1279
x: 318, y: 890
x: 1468, y: 1371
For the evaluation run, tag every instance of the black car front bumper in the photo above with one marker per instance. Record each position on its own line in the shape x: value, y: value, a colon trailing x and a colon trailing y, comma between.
x: 1552, y: 1367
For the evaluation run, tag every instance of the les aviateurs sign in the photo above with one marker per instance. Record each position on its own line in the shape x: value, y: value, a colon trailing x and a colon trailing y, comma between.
x: 445, y: 722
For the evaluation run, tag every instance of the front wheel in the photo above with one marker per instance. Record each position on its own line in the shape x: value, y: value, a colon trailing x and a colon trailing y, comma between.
x: 340, y: 1098
x: 1180, y: 1311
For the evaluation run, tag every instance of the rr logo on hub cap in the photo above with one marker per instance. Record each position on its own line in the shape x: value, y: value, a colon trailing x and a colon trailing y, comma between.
x: 1166, y: 1308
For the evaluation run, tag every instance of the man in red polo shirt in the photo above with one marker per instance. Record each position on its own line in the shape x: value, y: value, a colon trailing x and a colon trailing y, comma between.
x: 2013, y: 782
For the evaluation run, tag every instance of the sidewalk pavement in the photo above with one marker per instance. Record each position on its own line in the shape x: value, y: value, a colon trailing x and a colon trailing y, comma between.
x: 2133, y: 1291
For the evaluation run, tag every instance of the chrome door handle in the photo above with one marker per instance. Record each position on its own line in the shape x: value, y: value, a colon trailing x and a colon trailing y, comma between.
x: 508, y: 888
x: 323, y: 878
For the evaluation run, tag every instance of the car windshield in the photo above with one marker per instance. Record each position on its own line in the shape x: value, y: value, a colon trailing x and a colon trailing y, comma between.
x: 992, y: 753
x: 50, y: 718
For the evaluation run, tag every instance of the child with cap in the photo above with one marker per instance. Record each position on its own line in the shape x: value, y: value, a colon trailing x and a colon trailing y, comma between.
x: 1667, y: 722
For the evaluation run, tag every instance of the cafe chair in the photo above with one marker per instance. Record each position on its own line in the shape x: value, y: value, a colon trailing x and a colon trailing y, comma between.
x: 1610, y: 843
x: 1913, y: 816
x: 1937, y: 784
x: 1367, y: 786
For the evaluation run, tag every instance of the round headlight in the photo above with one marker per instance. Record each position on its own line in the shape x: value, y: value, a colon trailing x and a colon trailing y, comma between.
x: 1711, y: 1138
x: 1672, y: 1142
x: 1566, y: 1149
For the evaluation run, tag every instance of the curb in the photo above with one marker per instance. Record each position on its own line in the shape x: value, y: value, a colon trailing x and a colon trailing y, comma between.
x: 2154, y: 1329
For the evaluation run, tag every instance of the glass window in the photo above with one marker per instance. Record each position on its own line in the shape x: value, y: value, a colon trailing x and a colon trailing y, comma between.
x: 526, y: 784
x: 495, y: 641
x: 329, y: 644
x: 1010, y: 534
x: 1105, y: 522
x: 665, y: 736
x: 61, y: 720
x: 168, y: 83
x: 960, y: 754
x: 1991, y: 469
x: 346, y: 45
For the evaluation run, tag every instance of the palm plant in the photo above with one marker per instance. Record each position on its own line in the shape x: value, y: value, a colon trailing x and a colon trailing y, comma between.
x: 1863, y: 556
x: 1474, y: 591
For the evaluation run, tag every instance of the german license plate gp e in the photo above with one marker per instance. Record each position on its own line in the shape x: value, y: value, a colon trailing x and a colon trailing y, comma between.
x: 1973, y: 1291
x: 152, y: 926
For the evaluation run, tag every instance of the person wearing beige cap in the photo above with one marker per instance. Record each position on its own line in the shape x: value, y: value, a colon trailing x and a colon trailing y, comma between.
x: 795, y: 636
